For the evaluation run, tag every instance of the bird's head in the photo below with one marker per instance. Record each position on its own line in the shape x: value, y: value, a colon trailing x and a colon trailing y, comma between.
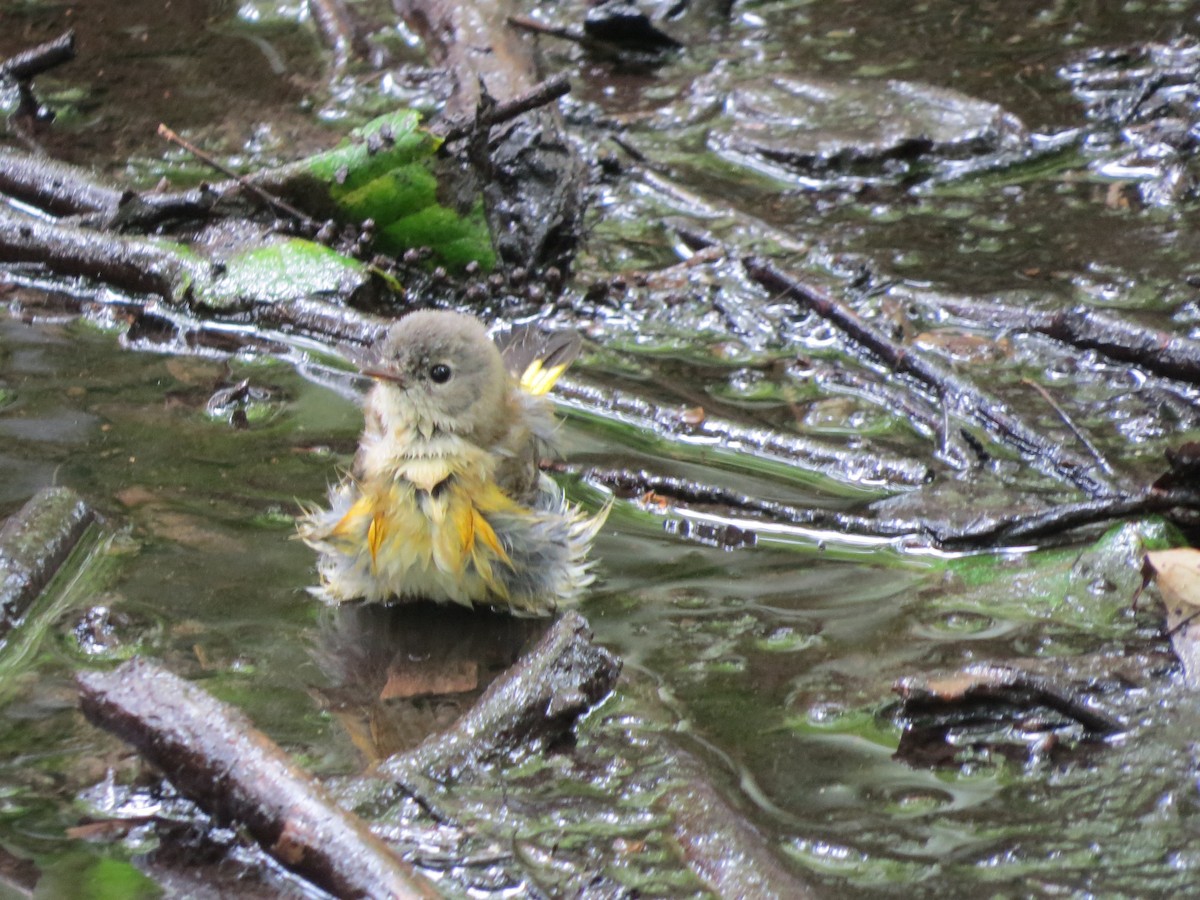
x: 439, y: 371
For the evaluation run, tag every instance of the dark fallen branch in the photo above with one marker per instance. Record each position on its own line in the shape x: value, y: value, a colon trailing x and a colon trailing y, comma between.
x: 54, y: 187
x: 839, y: 461
x: 1153, y: 350
x: 34, y: 543
x: 131, y: 264
x: 237, y: 774
x: 983, y: 528
x: 633, y: 483
x: 1012, y: 529
x: 1008, y: 684
x: 532, y: 705
x: 32, y: 62
x: 959, y: 395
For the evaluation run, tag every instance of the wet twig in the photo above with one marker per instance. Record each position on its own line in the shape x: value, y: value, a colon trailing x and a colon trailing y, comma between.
x: 524, y: 23
x: 237, y: 774
x: 540, y: 95
x: 640, y: 483
x: 265, y: 196
x: 1156, y: 351
x: 908, y: 405
x: 959, y: 394
x: 982, y: 530
x: 1069, y: 422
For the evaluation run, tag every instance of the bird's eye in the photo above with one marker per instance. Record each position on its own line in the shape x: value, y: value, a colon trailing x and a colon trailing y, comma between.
x: 439, y: 373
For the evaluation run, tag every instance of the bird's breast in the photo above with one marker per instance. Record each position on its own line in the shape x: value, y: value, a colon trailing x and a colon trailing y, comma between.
x: 426, y: 528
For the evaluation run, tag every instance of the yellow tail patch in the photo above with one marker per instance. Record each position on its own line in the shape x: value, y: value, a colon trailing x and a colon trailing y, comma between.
x: 537, y: 379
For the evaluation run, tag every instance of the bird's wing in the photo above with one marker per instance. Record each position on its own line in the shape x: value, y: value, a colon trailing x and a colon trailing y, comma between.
x: 537, y: 358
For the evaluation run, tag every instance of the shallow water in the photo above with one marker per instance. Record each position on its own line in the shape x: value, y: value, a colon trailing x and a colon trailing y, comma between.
x: 776, y: 660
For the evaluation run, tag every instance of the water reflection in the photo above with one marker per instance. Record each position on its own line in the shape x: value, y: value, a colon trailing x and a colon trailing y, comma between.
x: 398, y: 673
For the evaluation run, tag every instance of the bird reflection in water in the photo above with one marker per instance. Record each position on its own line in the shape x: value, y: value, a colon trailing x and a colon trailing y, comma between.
x: 400, y: 673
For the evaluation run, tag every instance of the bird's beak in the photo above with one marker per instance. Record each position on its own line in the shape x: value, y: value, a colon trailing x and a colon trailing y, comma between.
x: 381, y: 374
x: 368, y: 362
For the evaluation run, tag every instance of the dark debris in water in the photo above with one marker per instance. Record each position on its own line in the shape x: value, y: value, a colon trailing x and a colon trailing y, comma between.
x: 1144, y: 104
x: 1023, y: 709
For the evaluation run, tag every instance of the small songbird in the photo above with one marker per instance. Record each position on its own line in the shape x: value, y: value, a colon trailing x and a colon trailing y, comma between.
x: 445, y: 500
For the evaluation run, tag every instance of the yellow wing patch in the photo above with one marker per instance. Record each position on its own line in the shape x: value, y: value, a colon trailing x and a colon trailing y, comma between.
x: 537, y: 379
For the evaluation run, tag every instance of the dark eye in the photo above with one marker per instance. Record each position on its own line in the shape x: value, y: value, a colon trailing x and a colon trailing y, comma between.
x: 440, y: 373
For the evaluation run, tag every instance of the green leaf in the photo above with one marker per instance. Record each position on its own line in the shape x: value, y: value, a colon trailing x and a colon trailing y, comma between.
x: 354, y: 163
x: 387, y: 171
x: 456, y: 239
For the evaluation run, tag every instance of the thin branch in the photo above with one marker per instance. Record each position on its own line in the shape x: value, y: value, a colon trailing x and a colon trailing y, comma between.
x: 959, y: 394
x: 524, y: 23
x: 1152, y: 349
x: 540, y: 95
x: 1075, y: 429
x: 268, y: 198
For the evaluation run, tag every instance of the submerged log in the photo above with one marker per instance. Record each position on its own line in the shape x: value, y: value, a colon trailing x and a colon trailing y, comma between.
x: 34, y: 543
x: 214, y: 756
x: 533, y: 704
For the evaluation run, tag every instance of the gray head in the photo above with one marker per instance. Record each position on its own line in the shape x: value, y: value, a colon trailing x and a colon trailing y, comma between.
x: 441, y: 369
